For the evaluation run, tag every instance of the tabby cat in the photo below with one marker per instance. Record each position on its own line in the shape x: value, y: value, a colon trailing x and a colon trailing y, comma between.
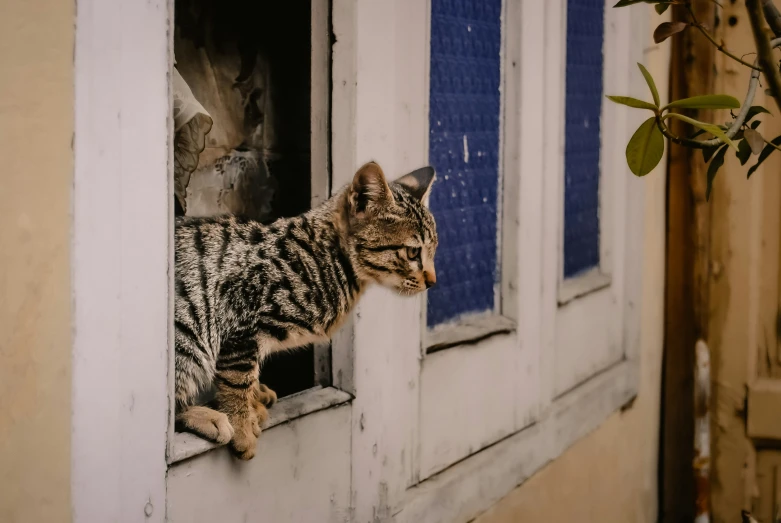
x: 245, y: 290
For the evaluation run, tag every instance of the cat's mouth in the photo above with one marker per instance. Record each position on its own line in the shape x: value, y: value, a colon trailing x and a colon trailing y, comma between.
x: 410, y: 288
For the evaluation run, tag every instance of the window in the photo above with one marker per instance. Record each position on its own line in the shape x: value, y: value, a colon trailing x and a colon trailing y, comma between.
x: 409, y: 432
x: 587, y: 194
x: 248, y: 64
x: 464, y: 119
x: 465, y: 148
x: 585, y: 257
x: 583, y: 114
x: 258, y: 74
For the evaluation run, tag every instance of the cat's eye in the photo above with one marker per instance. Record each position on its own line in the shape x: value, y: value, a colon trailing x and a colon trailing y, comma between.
x: 413, y: 253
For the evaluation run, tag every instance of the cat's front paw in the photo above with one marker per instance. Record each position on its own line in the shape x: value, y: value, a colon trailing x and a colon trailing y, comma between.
x: 264, y: 395
x: 245, y: 436
x: 205, y: 422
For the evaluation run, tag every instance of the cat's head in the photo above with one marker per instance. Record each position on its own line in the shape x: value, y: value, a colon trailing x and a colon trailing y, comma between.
x: 392, y: 234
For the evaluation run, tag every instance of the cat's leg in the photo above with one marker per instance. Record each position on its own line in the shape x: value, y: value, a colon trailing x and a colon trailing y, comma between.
x: 236, y: 382
x: 193, y: 371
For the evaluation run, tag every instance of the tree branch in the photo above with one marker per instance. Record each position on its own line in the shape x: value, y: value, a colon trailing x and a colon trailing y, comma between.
x: 710, y: 37
x: 740, y: 119
x: 772, y: 16
x: 764, y: 50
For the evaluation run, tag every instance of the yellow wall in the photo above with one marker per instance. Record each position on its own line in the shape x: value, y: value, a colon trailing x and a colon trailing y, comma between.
x: 611, y: 474
x: 36, y: 170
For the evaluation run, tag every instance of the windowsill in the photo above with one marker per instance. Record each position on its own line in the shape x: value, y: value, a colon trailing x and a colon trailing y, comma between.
x: 187, y: 445
x: 582, y: 284
x: 467, y: 331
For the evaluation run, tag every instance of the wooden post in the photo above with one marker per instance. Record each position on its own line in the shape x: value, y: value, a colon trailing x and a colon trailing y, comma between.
x: 686, y: 287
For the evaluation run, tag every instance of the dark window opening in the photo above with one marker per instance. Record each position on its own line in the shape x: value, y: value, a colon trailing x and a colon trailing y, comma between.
x: 244, y: 72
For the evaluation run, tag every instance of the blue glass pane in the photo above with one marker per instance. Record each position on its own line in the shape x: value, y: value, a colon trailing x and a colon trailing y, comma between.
x: 464, y: 149
x: 585, y: 29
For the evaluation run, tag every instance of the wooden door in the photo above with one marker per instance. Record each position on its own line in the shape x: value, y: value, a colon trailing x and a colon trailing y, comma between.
x: 743, y: 313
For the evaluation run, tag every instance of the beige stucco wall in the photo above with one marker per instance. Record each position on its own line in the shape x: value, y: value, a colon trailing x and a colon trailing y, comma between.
x: 36, y: 169
x: 611, y: 474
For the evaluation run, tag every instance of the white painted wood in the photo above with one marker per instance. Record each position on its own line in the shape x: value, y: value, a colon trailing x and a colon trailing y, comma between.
x: 343, y: 159
x: 466, y: 401
x: 379, y: 75
x: 553, y: 151
x: 122, y: 212
x: 469, y: 330
x: 319, y: 102
x: 466, y: 489
x: 588, y: 328
x: 588, y: 337
x: 300, y: 474
x: 350, y: 463
x: 525, y: 30
x: 584, y: 284
x: 557, y: 416
x: 460, y: 412
x: 287, y: 409
x: 320, y: 109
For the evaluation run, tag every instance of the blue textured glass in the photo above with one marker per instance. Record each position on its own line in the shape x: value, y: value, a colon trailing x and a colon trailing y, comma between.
x: 583, y: 105
x: 464, y: 117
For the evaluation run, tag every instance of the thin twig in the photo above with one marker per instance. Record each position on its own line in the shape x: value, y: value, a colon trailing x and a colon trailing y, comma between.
x: 764, y: 50
x: 771, y: 144
x: 709, y: 36
x: 772, y: 16
x: 675, y: 139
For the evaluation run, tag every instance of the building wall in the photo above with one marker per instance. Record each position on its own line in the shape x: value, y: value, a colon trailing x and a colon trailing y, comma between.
x: 611, y: 475
x: 36, y: 129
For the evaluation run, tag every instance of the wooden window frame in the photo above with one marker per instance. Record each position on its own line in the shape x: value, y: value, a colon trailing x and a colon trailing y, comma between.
x: 122, y: 258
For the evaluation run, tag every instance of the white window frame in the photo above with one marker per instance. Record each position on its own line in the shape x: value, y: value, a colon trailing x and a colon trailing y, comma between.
x: 592, y: 308
x: 560, y: 417
x: 122, y: 208
x: 122, y: 425
x: 483, y: 348
x: 122, y: 258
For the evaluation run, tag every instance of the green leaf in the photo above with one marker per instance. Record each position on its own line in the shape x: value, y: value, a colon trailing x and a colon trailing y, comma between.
x: 661, y: 8
x: 651, y: 84
x: 645, y: 148
x: 765, y: 153
x: 744, y: 152
x: 624, y: 3
x: 755, y: 140
x: 713, y: 168
x: 715, y: 130
x: 708, y: 101
x: 666, y: 29
x: 755, y: 124
x: 632, y: 102
x: 755, y: 110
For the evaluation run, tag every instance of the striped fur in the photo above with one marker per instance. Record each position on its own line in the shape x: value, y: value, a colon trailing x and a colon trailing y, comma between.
x: 245, y: 290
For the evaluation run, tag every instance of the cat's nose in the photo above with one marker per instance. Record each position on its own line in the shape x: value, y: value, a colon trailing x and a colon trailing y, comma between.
x: 430, y: 278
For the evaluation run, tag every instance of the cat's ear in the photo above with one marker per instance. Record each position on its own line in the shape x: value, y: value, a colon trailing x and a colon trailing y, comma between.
x: 369, y: 189
x: 418, y: 183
